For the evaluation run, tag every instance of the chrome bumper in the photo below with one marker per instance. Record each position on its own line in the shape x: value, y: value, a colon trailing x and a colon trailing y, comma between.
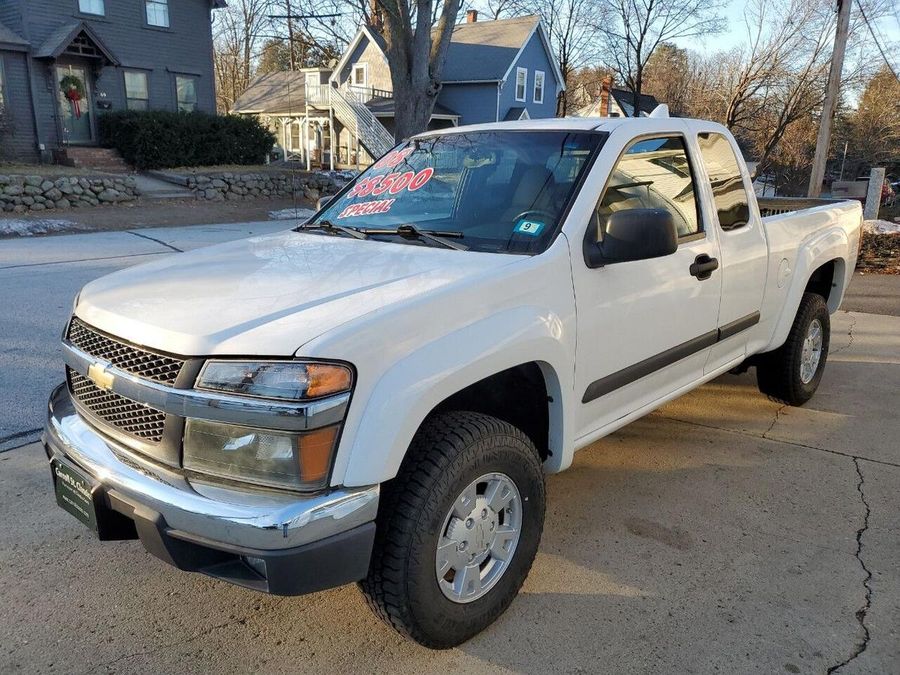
x: 216, y: 513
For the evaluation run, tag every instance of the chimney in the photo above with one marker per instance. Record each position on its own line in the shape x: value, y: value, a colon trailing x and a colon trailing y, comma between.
x: 472, y: 16
x: 605, y: 86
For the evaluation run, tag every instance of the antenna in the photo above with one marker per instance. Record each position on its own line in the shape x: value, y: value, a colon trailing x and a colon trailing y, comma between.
x: 662, y: 110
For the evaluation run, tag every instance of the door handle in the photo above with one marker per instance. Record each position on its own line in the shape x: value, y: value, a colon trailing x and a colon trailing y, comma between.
x: 703, y: 267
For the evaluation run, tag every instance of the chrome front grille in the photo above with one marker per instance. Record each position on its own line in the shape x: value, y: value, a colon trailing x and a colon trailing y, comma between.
x: 131, y: 359
x: 136, y: 419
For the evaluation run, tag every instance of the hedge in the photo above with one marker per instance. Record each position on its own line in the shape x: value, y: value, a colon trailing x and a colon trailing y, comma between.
x: 159, y: 139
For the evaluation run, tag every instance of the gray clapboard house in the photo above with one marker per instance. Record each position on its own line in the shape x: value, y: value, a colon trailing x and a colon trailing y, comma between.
x: 343, y: 116
x: 64, y: 62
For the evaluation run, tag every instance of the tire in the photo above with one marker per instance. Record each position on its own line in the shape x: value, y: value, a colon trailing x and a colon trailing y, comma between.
x: 449, y: 452
x: 783, y: 375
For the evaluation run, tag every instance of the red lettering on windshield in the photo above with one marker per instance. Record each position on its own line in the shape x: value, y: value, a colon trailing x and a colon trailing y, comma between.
x: 367, y: 208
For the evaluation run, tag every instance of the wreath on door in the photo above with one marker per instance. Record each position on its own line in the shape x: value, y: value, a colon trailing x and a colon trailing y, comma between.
x: 72, y: 88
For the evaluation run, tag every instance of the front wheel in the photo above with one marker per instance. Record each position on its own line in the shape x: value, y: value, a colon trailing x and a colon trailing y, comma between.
x: 458, y: 529
x: 791, y: 374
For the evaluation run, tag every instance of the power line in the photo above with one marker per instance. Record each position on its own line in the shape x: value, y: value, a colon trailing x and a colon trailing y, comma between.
x: 875, y: 39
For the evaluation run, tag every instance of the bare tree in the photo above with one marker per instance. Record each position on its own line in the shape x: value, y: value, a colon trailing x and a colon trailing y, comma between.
x: 633, y: 29
x: 667, y: 77
x: 778, y: 78
x: 571, y: 30
x: 874, y: 127
x: 416, y: 36
x: 311, y: 32
x: 235, y: 34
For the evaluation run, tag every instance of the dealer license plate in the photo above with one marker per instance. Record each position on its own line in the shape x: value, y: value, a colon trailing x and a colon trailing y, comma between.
x: 75, y: 493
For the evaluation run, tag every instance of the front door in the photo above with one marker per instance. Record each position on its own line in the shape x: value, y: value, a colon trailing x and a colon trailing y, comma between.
x: 644, y: 327
x: 74, y: 96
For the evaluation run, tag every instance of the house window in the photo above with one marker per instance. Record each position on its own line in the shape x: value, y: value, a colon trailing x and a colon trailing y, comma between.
x: 2, y: 88
x: 92, y: 7
x: 538, y: 94
x: 137, y: 93
x: 521, y: 83
x: 186, y: 93
x: 158, y: 13
x: 360, y: 75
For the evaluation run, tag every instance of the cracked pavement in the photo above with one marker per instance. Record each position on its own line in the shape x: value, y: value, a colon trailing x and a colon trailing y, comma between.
x: 723, y: 532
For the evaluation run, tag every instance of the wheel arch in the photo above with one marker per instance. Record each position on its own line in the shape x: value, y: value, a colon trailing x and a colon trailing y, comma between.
x: 527, y: 396
x: 828, y: 280
x: 820, y: 267
x: 508, y: 348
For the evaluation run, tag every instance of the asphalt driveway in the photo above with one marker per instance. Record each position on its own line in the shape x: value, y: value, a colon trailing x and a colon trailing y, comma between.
x: 721, y: 533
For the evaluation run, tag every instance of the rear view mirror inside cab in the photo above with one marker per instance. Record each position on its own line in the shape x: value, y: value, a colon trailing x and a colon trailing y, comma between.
x: 631, y: 234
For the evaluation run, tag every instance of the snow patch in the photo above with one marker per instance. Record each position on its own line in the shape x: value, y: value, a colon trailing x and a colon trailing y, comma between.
x: 29, y: 228
x: 881, y: 227
x: 291, y: 214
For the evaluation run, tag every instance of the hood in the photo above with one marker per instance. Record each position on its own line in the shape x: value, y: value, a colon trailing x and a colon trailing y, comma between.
x: 268, y: 295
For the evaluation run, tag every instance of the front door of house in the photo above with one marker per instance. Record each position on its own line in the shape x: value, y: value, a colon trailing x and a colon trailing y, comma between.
x: 74, y: 96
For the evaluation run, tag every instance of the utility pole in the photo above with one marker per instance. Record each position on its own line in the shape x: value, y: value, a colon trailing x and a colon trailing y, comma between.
x: 823, y: 140
x: 290, y: 28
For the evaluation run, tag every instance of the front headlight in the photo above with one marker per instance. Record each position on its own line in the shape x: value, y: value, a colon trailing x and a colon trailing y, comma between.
x: 285, y: 380
x: 299, y: 461
x: 262, y: 457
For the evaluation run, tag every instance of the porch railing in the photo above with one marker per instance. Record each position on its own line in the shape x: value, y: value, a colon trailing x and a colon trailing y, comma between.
x: 319, y: 94
x: 366, y: 94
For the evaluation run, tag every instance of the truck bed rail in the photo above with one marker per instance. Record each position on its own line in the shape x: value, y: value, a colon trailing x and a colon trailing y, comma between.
x: 774, y: 206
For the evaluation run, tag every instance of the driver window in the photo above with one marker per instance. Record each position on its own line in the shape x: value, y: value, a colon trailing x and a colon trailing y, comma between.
x: 652, y: 173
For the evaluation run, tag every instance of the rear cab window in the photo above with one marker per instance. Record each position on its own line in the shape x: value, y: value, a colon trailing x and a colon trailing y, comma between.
x: 652, y: 173
x: 729, y: 194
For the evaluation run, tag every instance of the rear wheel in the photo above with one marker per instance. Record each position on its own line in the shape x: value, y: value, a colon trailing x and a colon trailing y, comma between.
x: 458, y: 529
x: 791, y: 374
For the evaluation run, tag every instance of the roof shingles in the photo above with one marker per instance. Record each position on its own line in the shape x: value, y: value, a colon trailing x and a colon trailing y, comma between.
x: 10, y: 38
x: 484, y: 51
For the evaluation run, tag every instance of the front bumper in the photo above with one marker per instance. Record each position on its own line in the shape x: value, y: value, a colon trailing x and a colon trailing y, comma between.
x: 305, y: 544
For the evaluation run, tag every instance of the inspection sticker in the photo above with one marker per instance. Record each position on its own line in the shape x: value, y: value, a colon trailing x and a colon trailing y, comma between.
x: 530, y: 227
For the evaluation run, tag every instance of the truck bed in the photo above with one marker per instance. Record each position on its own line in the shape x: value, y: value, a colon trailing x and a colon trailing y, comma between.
x: 775, y: 206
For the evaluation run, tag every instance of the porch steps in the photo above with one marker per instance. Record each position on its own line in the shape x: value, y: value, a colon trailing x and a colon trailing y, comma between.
x: 353, y: 114
x: 152, y: 187
x: 101, y: 159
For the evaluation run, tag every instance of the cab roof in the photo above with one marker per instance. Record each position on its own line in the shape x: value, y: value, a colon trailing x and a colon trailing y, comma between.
x: 607, y: 124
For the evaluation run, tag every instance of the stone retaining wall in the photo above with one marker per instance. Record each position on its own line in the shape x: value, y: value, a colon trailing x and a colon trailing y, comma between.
x: 19, y: 194
x: 237, y: 186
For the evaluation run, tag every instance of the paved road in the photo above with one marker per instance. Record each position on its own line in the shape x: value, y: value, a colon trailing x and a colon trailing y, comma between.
x: 874, y: 293
x: 722, y: 533
x: 39, y: 278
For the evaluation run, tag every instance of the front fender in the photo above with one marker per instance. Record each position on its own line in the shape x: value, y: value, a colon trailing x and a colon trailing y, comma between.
x: 409, y: 390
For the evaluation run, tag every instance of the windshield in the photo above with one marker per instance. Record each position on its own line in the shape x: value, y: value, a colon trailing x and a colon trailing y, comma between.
x: 498, y: 191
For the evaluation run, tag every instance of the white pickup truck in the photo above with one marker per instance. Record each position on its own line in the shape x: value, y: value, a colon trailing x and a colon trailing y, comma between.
x: 377, y: 394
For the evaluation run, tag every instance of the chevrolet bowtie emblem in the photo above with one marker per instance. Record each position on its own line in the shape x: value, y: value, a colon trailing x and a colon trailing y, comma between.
x: 98, y: 375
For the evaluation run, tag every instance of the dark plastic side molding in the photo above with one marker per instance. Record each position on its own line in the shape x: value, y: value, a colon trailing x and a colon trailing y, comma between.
x: 636, y: 371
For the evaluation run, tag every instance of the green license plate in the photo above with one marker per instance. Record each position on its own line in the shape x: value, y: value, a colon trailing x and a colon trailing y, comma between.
x: 75, y: 493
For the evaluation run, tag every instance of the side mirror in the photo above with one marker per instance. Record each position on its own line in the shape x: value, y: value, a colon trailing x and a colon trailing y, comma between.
x: 633, y: 234
x: 323, y: 202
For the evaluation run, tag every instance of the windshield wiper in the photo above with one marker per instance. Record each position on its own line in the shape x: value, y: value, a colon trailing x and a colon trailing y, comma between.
x: 328, y: 226
x: 435, y: 236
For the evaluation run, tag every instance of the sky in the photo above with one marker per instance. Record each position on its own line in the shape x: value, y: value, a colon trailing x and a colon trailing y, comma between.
x: 887, y: 28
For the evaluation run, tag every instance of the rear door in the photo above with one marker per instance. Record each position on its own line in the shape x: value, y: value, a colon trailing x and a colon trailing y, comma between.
x: 742, y: 243
x: 645, y: 327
